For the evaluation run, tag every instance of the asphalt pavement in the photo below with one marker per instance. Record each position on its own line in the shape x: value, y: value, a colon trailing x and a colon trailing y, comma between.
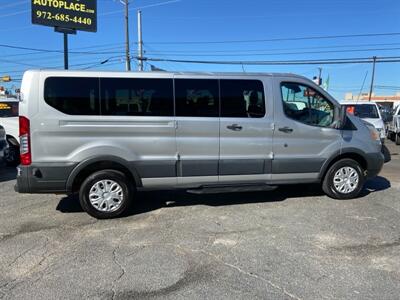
x: 291, y: 243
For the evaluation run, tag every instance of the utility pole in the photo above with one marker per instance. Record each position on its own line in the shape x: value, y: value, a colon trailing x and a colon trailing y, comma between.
x: 372, y: 79
x: 140, y: 41
x: 319, y: 76
x: 127, y: 54
x: 66, y: 64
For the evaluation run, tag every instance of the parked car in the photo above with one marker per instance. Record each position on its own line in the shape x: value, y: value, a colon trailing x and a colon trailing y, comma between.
x: 9, y: 120
x: 3, y: 142
x: 106, y: 135
x: 368, y: 111
x: 394, y: 126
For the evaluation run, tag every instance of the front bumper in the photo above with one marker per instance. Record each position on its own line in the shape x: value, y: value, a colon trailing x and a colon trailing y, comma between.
x: 374, y: 163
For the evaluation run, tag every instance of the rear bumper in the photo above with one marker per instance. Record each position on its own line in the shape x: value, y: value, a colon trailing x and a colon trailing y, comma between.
x: 375, y: 163
x: 43, y: 178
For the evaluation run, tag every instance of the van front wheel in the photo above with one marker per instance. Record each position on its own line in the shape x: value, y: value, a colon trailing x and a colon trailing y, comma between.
x: 344, y: 179
x: 105, y: 194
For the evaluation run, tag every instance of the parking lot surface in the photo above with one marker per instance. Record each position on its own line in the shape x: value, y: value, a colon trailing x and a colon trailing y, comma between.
x: 292, y: 243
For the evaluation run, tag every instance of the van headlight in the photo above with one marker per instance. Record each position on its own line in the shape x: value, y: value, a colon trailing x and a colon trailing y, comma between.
x: 381, y: 132
x: 374, y: 133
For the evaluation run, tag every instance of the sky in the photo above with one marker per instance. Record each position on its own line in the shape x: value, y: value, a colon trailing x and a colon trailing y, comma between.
x: 205, y: 29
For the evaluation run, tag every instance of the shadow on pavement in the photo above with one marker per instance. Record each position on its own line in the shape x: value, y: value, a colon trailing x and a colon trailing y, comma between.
x: 7, y: 173
x: 376, y: 184
x: 153, y: 200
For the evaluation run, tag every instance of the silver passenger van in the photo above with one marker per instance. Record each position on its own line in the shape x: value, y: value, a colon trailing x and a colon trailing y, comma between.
x: 106, y: 135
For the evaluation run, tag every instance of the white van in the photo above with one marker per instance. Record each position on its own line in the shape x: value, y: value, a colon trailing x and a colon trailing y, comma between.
x: 369, y: 112
x: 105, y: 135
x: 9, y: 110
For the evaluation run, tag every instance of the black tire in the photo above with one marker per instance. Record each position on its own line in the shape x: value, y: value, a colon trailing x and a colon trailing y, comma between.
x: 104, y: 175
x: 328, y: 185
x: 397, y: 138
x: 389, y: 136
x: 12, y: 156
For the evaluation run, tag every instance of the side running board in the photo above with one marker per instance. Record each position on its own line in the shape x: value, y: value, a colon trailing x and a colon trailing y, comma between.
x: 215, y: 189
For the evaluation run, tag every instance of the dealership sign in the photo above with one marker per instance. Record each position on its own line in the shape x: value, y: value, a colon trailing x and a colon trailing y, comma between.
x: 66, y: 14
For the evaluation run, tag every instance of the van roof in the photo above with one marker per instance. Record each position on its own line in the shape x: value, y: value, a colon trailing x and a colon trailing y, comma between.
x: 162, y: 73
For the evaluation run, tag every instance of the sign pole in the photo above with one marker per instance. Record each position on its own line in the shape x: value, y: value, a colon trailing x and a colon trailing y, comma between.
x: 65, y: 51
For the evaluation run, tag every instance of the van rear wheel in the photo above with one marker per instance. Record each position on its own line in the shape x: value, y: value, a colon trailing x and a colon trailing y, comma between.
x: 344, y: 179
x: 106, y: 194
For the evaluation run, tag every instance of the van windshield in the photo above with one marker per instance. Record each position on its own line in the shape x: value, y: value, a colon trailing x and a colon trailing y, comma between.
x: 363, y: 111
x: 8, y: 109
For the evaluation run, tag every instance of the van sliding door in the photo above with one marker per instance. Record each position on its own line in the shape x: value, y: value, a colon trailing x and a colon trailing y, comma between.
x: 197, y: 129
x: 246, y: 130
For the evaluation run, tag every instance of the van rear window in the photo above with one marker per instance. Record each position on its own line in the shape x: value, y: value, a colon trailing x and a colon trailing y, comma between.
x: 73, y: 95
x: 8, y: 109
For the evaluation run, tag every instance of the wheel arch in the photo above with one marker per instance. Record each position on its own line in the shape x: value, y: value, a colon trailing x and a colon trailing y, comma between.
x: 91, y: 165
x: 12, y: 140
x: 351, y: 153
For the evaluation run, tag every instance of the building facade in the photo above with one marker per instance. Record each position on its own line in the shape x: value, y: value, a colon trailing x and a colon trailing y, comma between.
x: 384, y: 100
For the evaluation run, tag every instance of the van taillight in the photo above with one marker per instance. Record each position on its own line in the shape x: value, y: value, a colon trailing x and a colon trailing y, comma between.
x: 25, y: 141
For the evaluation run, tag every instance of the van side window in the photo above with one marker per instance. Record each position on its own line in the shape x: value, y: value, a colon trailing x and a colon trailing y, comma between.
x: 242, y: 99
x: 197, y: 97
x: 73, y: 95
x: 304, y: 104
x: 136, y: 97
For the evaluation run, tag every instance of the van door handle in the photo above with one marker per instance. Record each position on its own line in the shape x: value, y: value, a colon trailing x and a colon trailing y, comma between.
x: 234, y: 127
x: 286, y: 129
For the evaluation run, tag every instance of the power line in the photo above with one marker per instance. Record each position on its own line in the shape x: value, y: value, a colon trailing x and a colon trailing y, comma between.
x: 15, y: 13
x: 14, y: 4
x: 140, y: 7
x: 286, y: 53
x: 280, y: 39
x: 51, y: 51
x: 286, y: 62
x: 276, y: 49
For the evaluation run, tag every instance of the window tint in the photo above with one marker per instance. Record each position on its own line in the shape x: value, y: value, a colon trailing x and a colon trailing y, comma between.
x: 196, y: 98
x: 8, y: 109
x: 73, y: 96
x: 137, y: 97
x: 242, y: 99
x: 306, y: 105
